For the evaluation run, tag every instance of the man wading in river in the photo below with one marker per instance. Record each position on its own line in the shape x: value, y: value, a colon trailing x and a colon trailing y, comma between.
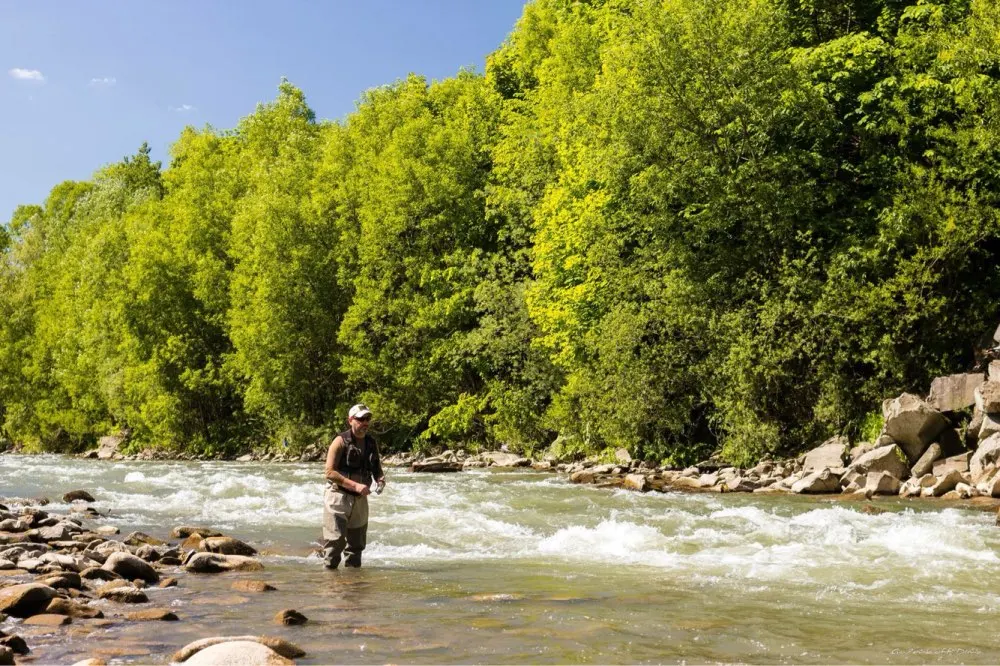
x: 352, y: 463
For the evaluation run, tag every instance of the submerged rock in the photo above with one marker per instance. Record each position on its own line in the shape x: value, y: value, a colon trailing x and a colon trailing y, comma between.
x: 78, y: 495
x: 226, y: 546
x: 290, y: 616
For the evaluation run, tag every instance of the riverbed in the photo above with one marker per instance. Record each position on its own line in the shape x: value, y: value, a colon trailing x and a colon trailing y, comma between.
x: 516, y: 566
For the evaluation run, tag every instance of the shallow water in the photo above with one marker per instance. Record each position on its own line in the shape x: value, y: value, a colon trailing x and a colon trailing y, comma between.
x: 514, y: 567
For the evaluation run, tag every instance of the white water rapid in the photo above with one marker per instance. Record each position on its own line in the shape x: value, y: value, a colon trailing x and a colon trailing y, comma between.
x: 515, y: 567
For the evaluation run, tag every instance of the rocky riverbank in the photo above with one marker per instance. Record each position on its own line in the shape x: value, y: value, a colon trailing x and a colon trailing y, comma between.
x: 60, y: 571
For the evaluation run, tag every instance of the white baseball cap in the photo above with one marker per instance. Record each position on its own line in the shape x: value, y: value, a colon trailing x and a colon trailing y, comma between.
x: 359, y: 411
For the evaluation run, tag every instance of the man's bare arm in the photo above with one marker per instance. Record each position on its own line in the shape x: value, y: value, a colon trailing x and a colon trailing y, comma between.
x: 333, y: 456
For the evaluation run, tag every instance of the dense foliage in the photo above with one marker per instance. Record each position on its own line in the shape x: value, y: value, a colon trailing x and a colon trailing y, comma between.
x: 669, y: 225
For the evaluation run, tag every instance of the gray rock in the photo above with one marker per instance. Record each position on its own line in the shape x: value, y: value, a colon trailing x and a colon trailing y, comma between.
x: 430, y: 465
x: 960, y: 462
x: 884, y: 459
x: 989, y: 426
x: 954, y: 392
x: 828, y: 454
x: 912, y: 424
x: 947, y: 483
x: 926, y: 462
x: 502, y: 459
x: 822, y: 481
x: 107, y: 447
x: 988, y: 397
x: 131, y: 567
x: 994, y: 371
x: 861, y: 449
x: 985, y: 456
x: 881, y: 483
x: 623, y: 456
x: 972, y: 430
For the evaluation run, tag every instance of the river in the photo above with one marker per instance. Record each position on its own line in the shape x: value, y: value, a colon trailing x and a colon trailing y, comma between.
x: 523, y: 567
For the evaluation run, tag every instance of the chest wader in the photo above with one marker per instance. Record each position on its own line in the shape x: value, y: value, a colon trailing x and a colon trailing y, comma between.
x: 345, y: 512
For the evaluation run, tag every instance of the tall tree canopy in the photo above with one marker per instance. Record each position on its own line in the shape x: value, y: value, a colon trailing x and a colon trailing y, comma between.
x: 674, y: 226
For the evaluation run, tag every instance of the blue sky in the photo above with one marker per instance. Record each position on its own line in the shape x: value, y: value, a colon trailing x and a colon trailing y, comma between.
x: 85, y: 83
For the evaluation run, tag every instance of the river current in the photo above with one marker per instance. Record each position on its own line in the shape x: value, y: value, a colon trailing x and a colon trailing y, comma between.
x: 521, y: 567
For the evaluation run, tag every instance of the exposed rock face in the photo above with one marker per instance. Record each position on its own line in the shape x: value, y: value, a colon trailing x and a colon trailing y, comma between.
x: 985, y: 456
x: 912, y: 424
x: 828, y: 454
x: 436, y: 465
x: 107, y: 447
x: 823, y: 481
x: 881, y: 483
x: 988, y: 397
x: 26, y: 599
x: 960, y: 462
x: 954, y: 392
x: 946, y: 483
x: 926, y: 462
x: 635, y: 482
x: 131, y: 567
x: 884, y: 459
x: 503, y: 459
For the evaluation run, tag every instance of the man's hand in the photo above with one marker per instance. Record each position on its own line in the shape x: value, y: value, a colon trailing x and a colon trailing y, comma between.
x: 362, y: 489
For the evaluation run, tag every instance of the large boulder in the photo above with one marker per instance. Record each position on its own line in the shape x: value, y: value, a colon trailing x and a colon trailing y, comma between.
x: 912, y: 424
x: 216, y: 563
x: 881, y: 483
x: 988, y: 397
x: 278, y: 645
x: 944, y: 465
x: 823, y: 481
x: 635, y: 482
x: 504, y: 459
x: 78, y: 495
x: 889, y: 459
x: 184, y: 531
x: 107, y: 447
x: 131, y: 567
x: 954, y: 392
x: 994, y: 371
x: 985, y: 457
x: 436, y: 465
x: 926, y: 462
x: 946, y: 483
x: 26, y: 599
x: 989, y: 425
x: 828, y: 454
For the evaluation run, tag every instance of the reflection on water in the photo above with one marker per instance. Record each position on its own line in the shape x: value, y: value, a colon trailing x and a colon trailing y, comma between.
x: 520, y: 567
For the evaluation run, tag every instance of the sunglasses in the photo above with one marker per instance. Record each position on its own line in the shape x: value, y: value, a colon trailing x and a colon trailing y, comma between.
x: 363, y: 419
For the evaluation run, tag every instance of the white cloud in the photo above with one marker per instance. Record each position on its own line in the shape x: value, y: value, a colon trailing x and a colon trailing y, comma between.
x: 105, y: 82
x: 183, y: 108
x: 26, y: 74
